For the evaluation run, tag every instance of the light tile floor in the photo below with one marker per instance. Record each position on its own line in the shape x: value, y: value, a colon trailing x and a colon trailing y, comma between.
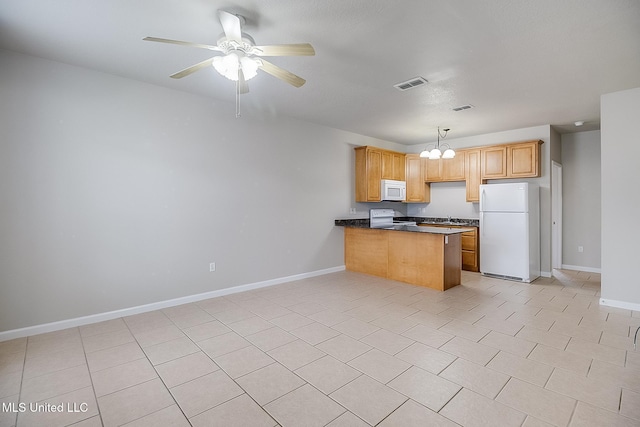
x: 343, y: 349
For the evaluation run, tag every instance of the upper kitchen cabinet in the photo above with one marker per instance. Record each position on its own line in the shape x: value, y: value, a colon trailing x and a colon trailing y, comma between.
x: 473, y: 174
x: 445, y: 169
x: 494, y: 162
x: 373, y: 165
x: 368, y: 174
x: 417, y: 190
x: 523, y: 159
x: 393, y: 165
x: 453, y: 169
x: 433, y: 170
x: 517, y: 160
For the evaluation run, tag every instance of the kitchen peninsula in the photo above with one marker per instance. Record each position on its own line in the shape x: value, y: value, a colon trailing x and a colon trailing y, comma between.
x: 416, y: 254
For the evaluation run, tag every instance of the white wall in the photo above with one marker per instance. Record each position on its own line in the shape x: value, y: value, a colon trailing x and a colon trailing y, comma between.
x: 620, y: 115
x: 115, y: 193
x: 447, y: 199
x: 581, y: 200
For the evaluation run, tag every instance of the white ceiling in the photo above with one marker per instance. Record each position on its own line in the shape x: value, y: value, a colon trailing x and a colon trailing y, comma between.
x: 520, y: 63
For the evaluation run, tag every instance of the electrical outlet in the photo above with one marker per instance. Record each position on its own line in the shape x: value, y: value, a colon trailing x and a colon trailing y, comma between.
x: 580, y: 249
x: 352, y: 211
x: 212, y: 266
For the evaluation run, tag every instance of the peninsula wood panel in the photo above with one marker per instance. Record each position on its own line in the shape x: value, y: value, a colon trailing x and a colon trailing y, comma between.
x: 366, y: 250
x: 422, y: 259
x: 452, y: 261
x: 414, y: 258
x: 425, y: 259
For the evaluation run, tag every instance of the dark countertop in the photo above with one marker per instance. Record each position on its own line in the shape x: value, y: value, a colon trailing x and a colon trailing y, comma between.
x: 364, y: 222
x: 426, y: 229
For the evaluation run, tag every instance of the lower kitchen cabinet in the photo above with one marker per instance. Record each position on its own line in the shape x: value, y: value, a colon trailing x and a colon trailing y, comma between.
x: 470, y: 246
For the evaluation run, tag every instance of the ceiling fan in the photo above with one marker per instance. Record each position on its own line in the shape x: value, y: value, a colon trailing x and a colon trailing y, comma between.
x: 241, y: 58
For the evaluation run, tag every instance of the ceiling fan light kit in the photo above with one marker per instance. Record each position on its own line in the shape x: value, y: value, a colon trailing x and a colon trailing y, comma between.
x: 230, y: 65
x: 237, y: 62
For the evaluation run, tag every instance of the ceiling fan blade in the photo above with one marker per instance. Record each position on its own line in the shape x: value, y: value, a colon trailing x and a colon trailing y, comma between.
x: 192, y: 69
x: 281, y: 73
x: 300, y: 49
x: 243, y: 87
x: 231, y: 26
x: 198, y: 45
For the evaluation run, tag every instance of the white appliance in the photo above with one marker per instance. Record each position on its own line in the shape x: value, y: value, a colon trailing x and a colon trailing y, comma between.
x: 383, y: 218
x: 510, y: 231
x: 393, y: 190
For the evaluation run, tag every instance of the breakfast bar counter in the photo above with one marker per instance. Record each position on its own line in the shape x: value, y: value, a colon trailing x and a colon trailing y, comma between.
x: 419, y: 255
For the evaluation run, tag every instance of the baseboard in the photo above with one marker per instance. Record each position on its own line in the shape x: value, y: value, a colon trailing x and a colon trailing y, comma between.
x: 581, y: 268
x: 545, y: 274
x: 620, y: 304
x: 101, y: 317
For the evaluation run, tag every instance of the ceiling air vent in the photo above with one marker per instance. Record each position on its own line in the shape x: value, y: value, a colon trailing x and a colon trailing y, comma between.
x: 463, y: 107
x: 410, y: 84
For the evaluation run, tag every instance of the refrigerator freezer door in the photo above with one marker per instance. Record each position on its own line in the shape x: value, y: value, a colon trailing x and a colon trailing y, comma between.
x: 509, y: 197
x: 504, y: 244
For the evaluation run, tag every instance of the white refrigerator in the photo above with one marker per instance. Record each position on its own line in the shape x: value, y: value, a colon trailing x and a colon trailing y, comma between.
x: 510, y: 231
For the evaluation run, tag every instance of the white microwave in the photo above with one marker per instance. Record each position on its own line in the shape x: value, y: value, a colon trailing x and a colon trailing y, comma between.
x: 393, y: 190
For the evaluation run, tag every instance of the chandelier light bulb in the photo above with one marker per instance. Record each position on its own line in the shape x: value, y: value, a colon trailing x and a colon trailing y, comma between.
x: 448, y: 154
x: 435, y: 154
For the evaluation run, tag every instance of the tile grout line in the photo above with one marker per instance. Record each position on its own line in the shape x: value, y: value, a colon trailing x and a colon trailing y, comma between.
x: 24, y: 365
x: 93, y: 388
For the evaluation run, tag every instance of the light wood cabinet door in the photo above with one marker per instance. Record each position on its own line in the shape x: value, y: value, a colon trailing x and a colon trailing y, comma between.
x: 374, y: 175
x: 417, y: 190
x: 368, y: 174
x: 387, y: 165
x: 523, y: 160
x: 433, y: 170
x: 453, y: 169
x: 473, y: 176
x: 494, y: 162
x: 393, y: 165
x: 471, y: 251
x: 398, y: 160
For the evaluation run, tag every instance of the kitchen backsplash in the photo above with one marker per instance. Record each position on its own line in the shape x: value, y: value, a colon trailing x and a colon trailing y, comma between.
x: 447, y: 199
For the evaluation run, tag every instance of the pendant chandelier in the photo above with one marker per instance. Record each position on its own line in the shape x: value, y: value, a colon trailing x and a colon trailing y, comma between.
x: 435, y: 152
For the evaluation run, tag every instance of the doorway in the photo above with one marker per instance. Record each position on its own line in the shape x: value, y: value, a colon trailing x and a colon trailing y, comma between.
x: 556, y: 215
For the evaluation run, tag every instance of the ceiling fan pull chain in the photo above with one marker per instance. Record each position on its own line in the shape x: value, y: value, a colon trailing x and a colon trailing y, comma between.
x: 238, y: 99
